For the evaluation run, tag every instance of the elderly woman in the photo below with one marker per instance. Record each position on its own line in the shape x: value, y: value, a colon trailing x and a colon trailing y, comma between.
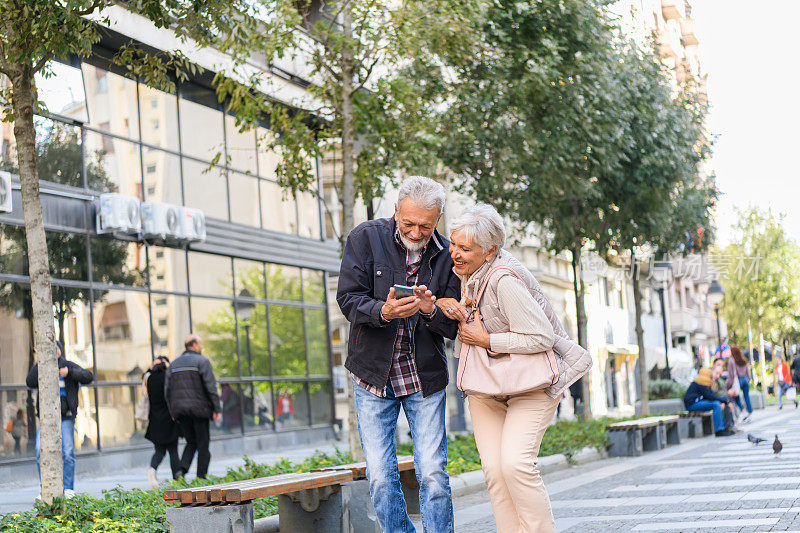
x: 508, y: 430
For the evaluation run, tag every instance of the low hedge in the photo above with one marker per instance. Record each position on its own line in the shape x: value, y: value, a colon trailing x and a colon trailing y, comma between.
x: 661, y: 389
x: 132, y: 510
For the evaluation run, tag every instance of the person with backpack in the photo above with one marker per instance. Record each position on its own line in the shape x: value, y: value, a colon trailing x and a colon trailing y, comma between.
x: 70, y: 377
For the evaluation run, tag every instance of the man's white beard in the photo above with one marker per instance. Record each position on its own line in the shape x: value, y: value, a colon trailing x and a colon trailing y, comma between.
x: 412, y: 246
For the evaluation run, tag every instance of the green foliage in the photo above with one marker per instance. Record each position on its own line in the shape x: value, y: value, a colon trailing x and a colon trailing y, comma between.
x: 661, y: 389
x: 761, y: 282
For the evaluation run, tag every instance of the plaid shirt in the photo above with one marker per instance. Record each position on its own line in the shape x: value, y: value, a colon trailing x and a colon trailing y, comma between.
x: 403, y: 373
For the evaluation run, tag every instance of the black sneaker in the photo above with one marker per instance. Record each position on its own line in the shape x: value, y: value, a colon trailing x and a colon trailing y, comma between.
x: 724, y: 433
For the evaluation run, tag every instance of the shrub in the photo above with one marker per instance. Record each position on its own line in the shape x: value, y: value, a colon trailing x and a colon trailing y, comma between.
x: 661, y: 389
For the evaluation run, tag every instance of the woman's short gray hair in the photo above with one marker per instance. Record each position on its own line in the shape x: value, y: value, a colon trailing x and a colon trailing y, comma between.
x: 482, y: 225
x: 423, y: 191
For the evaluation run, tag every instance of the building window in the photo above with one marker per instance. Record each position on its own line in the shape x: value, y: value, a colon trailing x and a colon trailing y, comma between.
x: 151, y: 169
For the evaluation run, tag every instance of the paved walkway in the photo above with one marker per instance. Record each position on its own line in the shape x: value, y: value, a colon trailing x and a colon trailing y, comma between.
x: 18, y: 496
x: 721, y: 485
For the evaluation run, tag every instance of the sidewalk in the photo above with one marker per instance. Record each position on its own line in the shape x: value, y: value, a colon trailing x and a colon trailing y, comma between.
x: 710, y: 484
x: 18, y: 496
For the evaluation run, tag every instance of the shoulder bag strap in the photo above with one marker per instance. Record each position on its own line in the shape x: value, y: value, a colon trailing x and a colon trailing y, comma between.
x: 485, y: 282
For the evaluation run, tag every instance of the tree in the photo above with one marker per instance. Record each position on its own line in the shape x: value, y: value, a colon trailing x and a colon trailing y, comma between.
x: 761, y: 282
x: 32, y: 32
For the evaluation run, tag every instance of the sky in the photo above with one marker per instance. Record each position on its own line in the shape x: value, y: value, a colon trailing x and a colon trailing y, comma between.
x: 749, y: 50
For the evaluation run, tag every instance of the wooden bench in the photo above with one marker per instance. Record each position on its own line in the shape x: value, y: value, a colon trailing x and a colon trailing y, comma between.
x: 408, y: 479
x: 634, y: 437
x: 334, y: 499
x: 696, y: 424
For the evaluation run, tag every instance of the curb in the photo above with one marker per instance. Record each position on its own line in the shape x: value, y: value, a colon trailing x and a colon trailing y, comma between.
x: 472, y: 482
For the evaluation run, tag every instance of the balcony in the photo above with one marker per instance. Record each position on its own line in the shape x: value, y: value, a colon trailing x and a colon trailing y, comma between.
x: 682, y: 321
x: 673, y: 9
x: 687, y: 29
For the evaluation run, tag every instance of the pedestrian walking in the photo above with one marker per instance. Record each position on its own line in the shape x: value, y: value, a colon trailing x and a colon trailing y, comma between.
x: 500, y: 313
x: 739, y: 375
x: 18, y: 427
x: 162, y: 430
x: 396, y: 352
x: 285, y: 409
x: 70, y: 377
x: 190, y: 390
x: 701, y: 397
x: 784, y: 377
x: 795, y: 368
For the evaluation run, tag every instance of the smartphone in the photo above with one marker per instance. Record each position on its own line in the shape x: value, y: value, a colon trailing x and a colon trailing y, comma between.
x: 402, y: 291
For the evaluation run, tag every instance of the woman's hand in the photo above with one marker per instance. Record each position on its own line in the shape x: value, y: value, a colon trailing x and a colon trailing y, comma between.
x: 452, y: 309
x: 473, y: 333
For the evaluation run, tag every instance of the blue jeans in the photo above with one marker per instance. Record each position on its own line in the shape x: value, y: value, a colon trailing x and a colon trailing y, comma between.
x: 782, y: 388
x: 377, y: 421
x: 708, y: 405
x: 67, y: 452
x: 744, y: 384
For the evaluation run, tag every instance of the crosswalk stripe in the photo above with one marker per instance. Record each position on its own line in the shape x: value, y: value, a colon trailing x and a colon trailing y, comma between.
x: 705, y: 524
x: 688, y: 485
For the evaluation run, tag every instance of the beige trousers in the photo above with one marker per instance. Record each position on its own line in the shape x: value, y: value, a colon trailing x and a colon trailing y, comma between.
x: 508, y: 433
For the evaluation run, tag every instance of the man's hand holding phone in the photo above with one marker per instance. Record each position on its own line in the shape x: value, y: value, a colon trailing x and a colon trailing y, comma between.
x: 402, y: 307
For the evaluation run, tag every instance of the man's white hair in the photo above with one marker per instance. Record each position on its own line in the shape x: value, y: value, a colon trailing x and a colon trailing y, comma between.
x: 482, y: 225
x: 423, y: 191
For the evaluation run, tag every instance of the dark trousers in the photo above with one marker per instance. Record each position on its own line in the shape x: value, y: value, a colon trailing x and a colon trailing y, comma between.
x: 195, y: 430
x: 174, y: 458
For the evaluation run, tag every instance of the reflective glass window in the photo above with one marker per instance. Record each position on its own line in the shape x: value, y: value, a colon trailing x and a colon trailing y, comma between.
x: 112, y: 102
x: 62, y: 91
x: 118, y: 426
x: 58, y: 150
x: 287, y: 341
x: 231, y: 400
x: 170, y: 315
x: 250, y: 277
x: 66, y: 253
x: 16, y: 346
x: 167, y: 268
x: 18, y: 408
x: 210, y: 274
x: 241, y: 147
x: 213, y: 321
x: 313, y: 288
x: 159, y: 113
x: 257, y: 407
x: 205, y: 188
x: 320, y: 402
x: 116, y: 262
x: 267, y: 159
x: 201, y: 123
x: 13, y: 247
x: 283, y: 283
x: 114, y: 165
x: 278, y: 208
x: 162, y: 177
x: 253, y: 349
x: 86, y: 420
x: 291, y: 404
x: 317, y: 334
x: 244, y: 199
x: 308, y: 213
x: 122, y: 335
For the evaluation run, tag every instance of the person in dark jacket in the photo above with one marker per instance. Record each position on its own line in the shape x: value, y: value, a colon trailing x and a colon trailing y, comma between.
x: 70, y: 377
x: 162, y: 430
x: 396, y: 352
x: 190, y: 390
x: 701, y: 397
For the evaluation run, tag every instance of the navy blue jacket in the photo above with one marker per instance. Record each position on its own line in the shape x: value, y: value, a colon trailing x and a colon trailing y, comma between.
x: 697, y: 392
x: 371, y: 264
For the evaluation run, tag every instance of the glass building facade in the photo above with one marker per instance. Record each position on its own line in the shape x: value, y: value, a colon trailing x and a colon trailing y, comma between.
x: 254, y: 291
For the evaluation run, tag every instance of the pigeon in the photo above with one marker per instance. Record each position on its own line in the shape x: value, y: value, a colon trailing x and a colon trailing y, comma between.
x: 755, y: 440
x: 777, y: 446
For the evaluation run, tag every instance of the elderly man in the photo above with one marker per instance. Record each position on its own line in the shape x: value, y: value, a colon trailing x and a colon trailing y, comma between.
x: 396, y: 349
x: 190, y: 390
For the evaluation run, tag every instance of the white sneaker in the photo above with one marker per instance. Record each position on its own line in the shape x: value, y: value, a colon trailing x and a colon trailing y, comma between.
x: 152, y: 478
x: 746, y: 418
x: 69, y: 493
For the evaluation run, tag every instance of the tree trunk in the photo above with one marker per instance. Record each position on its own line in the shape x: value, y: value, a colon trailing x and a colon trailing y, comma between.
x: 644, y: 389
x: 580, y: 308
x: 41, y: 293
x: 348, y: 190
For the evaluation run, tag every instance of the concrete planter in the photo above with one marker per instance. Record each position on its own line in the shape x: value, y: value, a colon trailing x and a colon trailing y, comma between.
x: 669, y: 406
x: 757, y: 399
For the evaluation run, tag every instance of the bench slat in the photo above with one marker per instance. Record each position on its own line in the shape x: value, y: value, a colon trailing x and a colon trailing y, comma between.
x: 359, y: 470
x: 308, y: 481
x: 642, y: 423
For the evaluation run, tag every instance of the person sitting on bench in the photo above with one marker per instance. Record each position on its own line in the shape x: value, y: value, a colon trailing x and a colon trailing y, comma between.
x: 700, y: 397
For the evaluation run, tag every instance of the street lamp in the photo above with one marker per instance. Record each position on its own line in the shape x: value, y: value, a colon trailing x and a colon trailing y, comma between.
x: 660, y: 273
x: 716, y: 293
x: 244, y: 309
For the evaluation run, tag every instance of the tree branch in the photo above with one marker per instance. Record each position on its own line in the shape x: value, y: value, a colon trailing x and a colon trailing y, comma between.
x: 89, y: 10
x: 42, y: 62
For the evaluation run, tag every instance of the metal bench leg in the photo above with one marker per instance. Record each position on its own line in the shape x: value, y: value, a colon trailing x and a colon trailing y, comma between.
x: 212, y: 519
x: 673, y: 433
x: 410, y: 486
x: 319, y: 509
x: 655, y: 439
x: 708, y: 425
